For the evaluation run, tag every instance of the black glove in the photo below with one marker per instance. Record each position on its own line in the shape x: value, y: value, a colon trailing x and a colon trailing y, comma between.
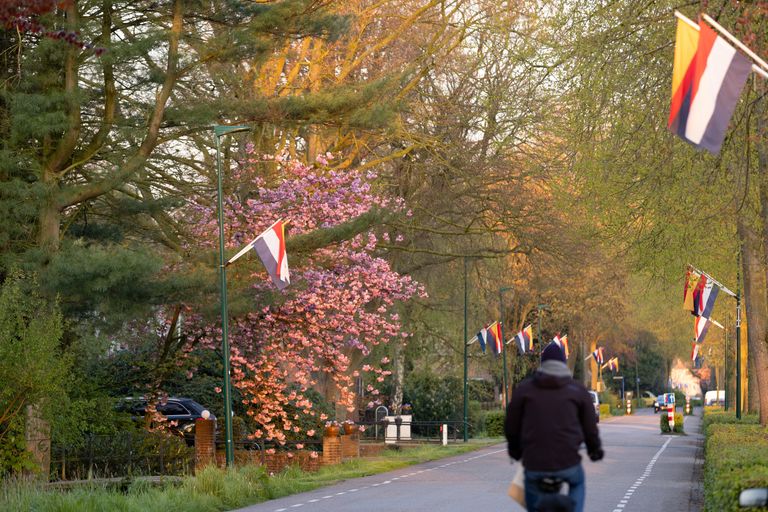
x: 596, y: 455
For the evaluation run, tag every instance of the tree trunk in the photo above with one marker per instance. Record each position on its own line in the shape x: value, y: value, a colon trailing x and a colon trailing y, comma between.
x: 756, y: 309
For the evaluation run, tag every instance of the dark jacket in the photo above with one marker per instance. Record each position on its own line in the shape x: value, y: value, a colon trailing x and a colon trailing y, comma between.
x: 550, y: 415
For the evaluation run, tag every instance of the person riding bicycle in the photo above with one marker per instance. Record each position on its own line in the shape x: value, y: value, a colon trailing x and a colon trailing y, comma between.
x: 548, y: 418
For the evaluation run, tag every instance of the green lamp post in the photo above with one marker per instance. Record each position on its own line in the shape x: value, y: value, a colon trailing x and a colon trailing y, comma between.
x: 220, y: 131
x: 503, y: 345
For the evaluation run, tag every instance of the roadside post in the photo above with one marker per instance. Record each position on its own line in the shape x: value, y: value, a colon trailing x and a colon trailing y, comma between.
x: 687, y: 405
x: 629, y: 406
x: 671, y: 417
x: 444, y: 429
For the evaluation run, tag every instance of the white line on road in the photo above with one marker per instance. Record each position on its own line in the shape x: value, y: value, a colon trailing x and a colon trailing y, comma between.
x: 389, y: 481
x: 627, y: 495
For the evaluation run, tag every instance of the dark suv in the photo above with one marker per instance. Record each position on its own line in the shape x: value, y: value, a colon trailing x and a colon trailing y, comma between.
x: 182, y: 411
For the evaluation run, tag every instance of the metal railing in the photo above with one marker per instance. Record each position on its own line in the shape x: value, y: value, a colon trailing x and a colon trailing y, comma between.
x: 124, y: 454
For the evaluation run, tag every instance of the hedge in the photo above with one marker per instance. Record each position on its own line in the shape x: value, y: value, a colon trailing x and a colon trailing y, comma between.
x: 494, y: 424
x: 736, y: 458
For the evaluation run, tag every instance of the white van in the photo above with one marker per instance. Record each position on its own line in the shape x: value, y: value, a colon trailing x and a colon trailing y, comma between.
x: 714, y: 397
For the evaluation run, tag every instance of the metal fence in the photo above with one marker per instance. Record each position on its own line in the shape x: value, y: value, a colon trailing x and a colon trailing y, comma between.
x: 120, y: 455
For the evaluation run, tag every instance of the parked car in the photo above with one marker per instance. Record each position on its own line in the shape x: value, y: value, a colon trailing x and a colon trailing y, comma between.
x: 663, y: 402
x: 596, y: 403
x: 181, y: 412
x: 648, y: 398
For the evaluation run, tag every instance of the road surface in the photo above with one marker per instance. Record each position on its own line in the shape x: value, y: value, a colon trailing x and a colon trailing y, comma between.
x: 642, y: 470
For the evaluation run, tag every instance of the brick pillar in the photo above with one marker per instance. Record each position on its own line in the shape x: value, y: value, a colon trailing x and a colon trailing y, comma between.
x: 37, y: 434
x: 331, y: 450
x: 205, y: 443
x: 350, y: 446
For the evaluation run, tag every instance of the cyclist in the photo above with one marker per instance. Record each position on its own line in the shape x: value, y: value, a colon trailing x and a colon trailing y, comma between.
x: 548, y: 418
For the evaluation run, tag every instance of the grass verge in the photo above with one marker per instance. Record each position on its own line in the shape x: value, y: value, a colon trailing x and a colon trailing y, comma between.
x: 214, y: 490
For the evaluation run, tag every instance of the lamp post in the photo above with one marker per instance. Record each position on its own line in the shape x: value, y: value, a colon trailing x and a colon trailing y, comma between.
x: 466, y: 348
x: 503, y: 345
x: 539, y: 308
x: 219, y: 131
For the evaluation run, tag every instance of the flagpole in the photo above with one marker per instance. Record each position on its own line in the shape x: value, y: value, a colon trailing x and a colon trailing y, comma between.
x: 735, y: 41
x: 757, y: 69
x: 220, y: 131
x: 718, y: 283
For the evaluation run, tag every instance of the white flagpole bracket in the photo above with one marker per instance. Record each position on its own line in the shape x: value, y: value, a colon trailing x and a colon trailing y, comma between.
x: 718, y: 283
x: 760, y: 70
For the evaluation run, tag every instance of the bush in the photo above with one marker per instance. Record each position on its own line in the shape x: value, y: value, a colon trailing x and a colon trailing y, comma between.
x: 664, y: 423
x: 605, y: 410
x: 736, y: 458
x: 494, y: 424
x: 678, y: 423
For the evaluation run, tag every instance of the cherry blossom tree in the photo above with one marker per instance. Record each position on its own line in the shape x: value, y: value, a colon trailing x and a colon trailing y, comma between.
x: 340, y: 304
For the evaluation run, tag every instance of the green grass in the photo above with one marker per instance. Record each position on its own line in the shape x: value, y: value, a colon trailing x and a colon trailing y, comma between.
x: 216, y: 489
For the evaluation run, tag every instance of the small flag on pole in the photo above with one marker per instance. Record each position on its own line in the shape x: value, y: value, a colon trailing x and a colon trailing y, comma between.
x: 707, y: 78
x: 482, y: 338
x: 598, y: 355
x: 708, y: 296
x: 691, y: 278
x: 270, y: 246
x: 700, y: 328
x: 694, y: 352
x: 562, y: 342
x: 525, y: 340
x: 497, y: 343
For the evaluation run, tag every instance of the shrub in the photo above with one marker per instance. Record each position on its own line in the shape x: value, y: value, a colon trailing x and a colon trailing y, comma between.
x: 736, y: 458
x: 678, y: 423
x: 664, y: 423
x: 494, y: 424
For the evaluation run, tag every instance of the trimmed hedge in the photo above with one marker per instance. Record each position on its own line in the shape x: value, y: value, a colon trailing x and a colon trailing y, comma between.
x: 736, y: 458
x: 494, y: 424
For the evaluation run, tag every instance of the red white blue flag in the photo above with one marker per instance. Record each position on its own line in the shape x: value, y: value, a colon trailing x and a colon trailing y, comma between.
x: 482, y: 338
x: 707, y: 78
x: 700, y: 328
x: 562, y: 342
x: 270, y: 246
x: 598, y: 355
x: 524, y: 340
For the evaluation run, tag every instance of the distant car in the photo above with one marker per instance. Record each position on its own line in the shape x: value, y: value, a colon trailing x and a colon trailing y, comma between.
x: 181, y: 411
x: 714, y: 397
x: 648, y: 398
x: 596, y: 403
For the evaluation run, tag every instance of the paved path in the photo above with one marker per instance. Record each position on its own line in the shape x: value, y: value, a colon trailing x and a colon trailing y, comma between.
x: 643, y: 470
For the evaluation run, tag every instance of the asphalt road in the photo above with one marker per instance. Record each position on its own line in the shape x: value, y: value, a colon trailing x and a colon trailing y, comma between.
x: 642, y: 470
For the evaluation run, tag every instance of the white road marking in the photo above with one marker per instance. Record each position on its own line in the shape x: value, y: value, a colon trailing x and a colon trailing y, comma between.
x: 391, y: 480
x: 646, y: 473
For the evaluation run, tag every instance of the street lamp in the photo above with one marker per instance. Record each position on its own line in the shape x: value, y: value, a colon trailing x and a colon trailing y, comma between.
x: 503, y: 345
x: 218, y: 132
x: 539, y: 309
